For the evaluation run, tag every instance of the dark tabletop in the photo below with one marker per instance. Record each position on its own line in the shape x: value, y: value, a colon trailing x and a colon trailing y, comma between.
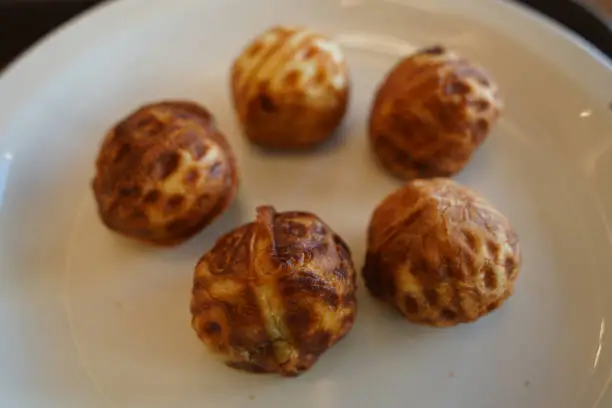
x: 23, y: 22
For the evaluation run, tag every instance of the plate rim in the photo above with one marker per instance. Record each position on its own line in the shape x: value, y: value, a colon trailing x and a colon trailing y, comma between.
x: 99, y: 10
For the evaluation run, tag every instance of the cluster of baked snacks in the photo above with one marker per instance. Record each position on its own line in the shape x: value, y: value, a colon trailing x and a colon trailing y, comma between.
x: 274, y: 294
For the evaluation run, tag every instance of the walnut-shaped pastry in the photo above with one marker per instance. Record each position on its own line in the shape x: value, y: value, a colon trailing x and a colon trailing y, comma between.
x: 440, y: 253
x: 163, y: 173
x: 290, y: 88
x: 274, y: 294
x: 431, y: 113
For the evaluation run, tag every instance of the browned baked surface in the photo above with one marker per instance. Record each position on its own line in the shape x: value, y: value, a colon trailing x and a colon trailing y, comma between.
x: 440, y: 253
x: 163, y: 173
x: 290, y: 88
x: 431, y: 113
x: 274, y: 294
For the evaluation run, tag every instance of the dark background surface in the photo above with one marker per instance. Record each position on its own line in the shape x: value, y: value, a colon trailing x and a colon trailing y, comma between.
x: 23, y: 23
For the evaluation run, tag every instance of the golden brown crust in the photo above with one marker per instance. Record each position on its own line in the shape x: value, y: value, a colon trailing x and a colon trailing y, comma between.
x: 431, y: 113
x: 290, y: 88
x: 163, y: 173
x: 273, y: 295
x: 440, y: 253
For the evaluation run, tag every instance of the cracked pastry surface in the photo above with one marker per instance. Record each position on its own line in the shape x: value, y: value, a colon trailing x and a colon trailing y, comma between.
x: 430, y: 114
x: 163, y: 173
x: 273, y: 295
x: 290, y: 88
x: 440, y: 253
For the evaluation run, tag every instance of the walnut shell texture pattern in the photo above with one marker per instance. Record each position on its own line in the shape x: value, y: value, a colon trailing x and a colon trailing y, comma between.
x: 440, y: 253
x: 431, y: 113
x: 274, y: 294
x: 290, y: 88
x: 163, y: 173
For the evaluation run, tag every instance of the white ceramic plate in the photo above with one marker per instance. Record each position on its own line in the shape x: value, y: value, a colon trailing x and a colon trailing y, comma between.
x: 91, y: 320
